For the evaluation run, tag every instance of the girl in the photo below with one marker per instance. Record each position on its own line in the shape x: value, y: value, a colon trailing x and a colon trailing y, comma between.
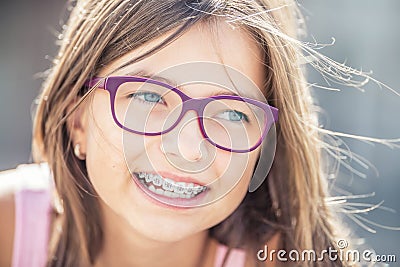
x: 155, y: 131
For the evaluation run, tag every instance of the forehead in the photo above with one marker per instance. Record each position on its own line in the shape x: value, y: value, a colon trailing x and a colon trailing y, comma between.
x: 211, y: 53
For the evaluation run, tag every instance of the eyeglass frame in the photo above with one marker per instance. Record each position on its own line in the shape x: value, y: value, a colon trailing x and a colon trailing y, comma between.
x: 112, y: 83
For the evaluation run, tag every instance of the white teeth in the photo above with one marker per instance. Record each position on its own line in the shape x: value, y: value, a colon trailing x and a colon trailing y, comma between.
x: 174, y: 195
x: 160, y: 191
x: 169, y: 188
x: 152, y: 188
x: 157, y: 180
x: 197, y: 189
x: 148, y: 178
x: 168, y: 185
x: 179, y: 188
x: 189, y: 188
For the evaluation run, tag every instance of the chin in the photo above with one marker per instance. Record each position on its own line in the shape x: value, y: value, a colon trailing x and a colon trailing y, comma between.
x: 163, y: 231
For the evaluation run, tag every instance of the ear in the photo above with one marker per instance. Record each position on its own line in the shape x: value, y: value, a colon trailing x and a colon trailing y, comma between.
x: 77, y: 124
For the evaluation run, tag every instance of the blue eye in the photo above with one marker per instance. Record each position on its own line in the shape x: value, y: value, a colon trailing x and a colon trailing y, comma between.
x: 233, y: 115
x: 148, y: 97
x: 151, y: 97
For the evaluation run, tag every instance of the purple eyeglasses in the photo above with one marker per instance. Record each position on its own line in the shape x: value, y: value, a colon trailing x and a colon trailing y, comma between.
x: 150, y: 107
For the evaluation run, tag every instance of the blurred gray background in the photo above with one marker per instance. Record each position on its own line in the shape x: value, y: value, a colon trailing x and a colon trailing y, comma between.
x: 367, y: 38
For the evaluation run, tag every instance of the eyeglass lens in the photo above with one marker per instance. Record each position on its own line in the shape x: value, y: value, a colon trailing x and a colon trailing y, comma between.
x: 151, y: 108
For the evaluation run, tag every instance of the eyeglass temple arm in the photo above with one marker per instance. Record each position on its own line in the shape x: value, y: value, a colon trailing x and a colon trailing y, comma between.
x: 94, y: 81
x: 275, y: 113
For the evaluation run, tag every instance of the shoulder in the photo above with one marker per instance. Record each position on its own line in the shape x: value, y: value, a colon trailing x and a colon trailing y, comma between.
x: 7, y: 211
x: 25, y: 176
x: 28, y: 176
x: 240, y: 257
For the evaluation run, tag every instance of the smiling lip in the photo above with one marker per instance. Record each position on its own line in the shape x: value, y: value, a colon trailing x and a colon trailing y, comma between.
x: 172, y: 203
x: 177, y: 178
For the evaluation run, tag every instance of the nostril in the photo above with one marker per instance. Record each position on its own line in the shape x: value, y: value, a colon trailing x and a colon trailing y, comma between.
x: 190, y: 140
x: 186, y: 149
x: 186, y: 140
x: 191, y: 151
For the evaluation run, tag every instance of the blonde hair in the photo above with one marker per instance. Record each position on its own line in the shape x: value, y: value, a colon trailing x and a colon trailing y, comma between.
x: 291, y: 201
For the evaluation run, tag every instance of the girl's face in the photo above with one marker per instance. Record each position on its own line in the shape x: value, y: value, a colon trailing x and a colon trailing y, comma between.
x: 114, y: 155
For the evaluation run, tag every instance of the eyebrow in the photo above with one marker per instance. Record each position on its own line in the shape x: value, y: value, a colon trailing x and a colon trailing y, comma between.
x: 144, y: 74
x: 225, y: 92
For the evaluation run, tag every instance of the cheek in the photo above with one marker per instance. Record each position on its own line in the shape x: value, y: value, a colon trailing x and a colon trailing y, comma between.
x: 234, y: 169
x: 225, y: 206
x: 105, y: 160
x: 238, y: 170
x: 110, y: 150
x: 104, y: 138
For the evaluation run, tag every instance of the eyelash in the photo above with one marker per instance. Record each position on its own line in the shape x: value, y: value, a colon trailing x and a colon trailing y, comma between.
x: 245, y: 117
x: 136, y: 95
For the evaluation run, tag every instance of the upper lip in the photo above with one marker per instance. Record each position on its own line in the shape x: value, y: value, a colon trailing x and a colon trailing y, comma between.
x: 178, y: 178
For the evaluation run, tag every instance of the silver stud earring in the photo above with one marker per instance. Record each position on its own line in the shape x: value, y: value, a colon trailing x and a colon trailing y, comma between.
x: 77, y: 152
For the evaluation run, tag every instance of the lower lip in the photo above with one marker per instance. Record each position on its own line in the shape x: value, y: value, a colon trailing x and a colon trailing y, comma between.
x: 167, y: 202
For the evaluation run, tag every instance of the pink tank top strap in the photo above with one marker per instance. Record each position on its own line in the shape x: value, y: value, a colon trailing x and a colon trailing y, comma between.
x: 236, y: 257
x: 32, y: 222
x: 32, y: 218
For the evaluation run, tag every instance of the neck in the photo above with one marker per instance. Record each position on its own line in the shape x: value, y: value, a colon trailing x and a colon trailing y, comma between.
x: 123, y: 246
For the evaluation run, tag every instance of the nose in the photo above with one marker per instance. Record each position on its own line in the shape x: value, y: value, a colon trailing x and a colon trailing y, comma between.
x: 185, y: 140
